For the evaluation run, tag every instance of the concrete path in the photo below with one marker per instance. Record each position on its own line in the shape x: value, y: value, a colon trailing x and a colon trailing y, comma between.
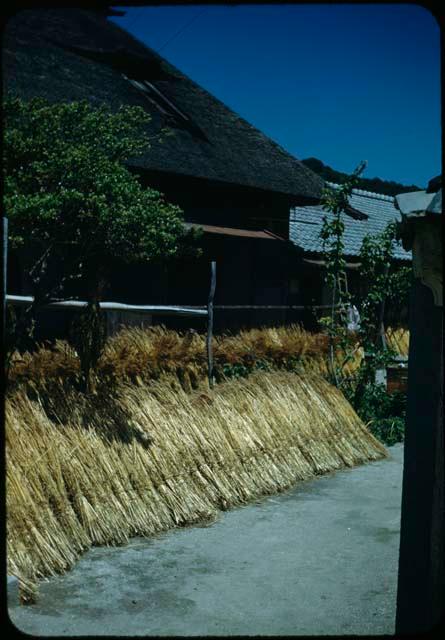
x: 320, y: 559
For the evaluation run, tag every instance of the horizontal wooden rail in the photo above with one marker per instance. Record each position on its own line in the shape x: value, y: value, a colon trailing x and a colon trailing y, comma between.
x: 113, y: 306
x: 191, y: 310
x: 265, y: 307
x: 272, y: 306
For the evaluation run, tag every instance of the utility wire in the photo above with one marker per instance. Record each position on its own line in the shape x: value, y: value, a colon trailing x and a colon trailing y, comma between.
x: 138, y: 13
x: 187, y: 24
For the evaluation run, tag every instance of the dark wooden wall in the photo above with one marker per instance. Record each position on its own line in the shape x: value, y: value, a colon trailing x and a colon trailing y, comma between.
x: 250, y: 271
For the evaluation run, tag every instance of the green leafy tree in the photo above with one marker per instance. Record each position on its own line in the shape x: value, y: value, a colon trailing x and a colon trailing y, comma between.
x: 387, y: 187
x: 387, y: 284
x: 72, y: 204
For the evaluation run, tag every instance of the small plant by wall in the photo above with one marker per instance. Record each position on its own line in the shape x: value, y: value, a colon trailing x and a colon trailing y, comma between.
x: 384, y: 413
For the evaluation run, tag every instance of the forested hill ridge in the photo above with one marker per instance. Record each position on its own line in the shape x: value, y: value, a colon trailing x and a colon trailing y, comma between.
x: 377, y: 185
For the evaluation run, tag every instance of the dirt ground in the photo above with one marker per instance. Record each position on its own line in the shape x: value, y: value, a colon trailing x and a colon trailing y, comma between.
x: 319, y: 559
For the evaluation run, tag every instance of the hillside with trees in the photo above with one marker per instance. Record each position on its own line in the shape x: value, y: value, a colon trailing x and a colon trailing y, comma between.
x: 377, y: 185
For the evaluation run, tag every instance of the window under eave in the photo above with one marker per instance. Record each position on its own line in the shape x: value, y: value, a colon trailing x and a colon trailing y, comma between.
x: 158, y: 99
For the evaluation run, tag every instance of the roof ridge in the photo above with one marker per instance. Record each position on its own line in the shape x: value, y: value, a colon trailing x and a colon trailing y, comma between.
x: 187, y: 78
x: 239, y: 153
x: 362, y: 192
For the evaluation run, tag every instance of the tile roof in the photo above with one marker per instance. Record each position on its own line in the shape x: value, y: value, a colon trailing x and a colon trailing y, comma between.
x: 305, y: 223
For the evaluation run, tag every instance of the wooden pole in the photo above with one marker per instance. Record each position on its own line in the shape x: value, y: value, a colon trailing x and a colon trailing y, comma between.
x: 331, y: 337
x: 4, y: 376
x: 421, y: 581
x: 381, y: 324
x: 5, y: 279
x: 210, y: 324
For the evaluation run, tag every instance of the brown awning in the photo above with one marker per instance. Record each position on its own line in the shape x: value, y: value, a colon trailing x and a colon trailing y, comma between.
x: 233, y: 231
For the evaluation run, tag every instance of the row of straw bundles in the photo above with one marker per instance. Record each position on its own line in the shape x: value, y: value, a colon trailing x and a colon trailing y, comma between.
x: 77, y: 479
x: 146, y: 354
x: 133, y: 351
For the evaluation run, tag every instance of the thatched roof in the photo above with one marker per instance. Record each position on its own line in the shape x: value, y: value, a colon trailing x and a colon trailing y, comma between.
x: 74, y: 54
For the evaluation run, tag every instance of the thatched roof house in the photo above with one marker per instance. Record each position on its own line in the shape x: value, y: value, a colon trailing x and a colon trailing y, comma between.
x: 72, y: 54
x: 224, y: 173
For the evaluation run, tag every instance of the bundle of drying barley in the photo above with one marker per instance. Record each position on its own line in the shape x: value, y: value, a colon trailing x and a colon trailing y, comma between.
x: 145, y: 354
x: 140, y: 355
x: 398, y: 339
x: 98, y: 470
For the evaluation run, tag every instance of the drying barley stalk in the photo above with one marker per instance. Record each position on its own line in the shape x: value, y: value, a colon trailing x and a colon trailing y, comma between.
x: 145, y: 354
x: 87, y: 471
x: 139, y: 355
x: 398, y: 339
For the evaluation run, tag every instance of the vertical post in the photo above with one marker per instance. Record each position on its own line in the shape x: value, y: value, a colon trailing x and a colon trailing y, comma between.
x: 331, y: 337
x: 421, y: 582
x: 421, y: 579
x: 381, y: 327
x: 210, y: 323
x: 5, y: 279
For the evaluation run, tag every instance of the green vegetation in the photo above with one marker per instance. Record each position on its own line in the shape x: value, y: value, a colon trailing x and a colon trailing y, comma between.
x: 377, y: 185
x: 73, y: 206
x: 383, y: 412
x: 334, y: 202
x: 386, y: 284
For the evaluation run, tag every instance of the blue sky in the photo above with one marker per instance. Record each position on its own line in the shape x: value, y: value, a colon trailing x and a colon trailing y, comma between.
x: 342, y: 83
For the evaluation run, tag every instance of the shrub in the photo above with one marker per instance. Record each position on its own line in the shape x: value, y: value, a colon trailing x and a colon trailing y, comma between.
x: 384, y: 412
x: 389, y: 430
